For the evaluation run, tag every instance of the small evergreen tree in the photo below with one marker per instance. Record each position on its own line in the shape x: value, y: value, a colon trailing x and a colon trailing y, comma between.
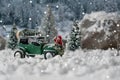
x: 12, y: 38
x: 48, y: 25
x: 75, y: 38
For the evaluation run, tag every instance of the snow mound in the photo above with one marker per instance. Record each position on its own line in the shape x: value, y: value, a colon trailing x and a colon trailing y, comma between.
x: 102, y: 15
x: 78, y: 65
x: 100, y: 30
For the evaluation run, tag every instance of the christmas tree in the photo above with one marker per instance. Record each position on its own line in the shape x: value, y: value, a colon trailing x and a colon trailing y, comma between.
x: 75, y: 38
x: 12, y: 38
x: 48, y: 25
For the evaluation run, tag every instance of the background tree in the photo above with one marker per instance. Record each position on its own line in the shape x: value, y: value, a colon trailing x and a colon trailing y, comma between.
x: 21, y: 11
x: 48, y: 25
x: 13, y: 39
x: 75, y: 38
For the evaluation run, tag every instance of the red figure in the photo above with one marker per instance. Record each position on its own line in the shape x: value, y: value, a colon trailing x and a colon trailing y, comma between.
x: 58, y: 40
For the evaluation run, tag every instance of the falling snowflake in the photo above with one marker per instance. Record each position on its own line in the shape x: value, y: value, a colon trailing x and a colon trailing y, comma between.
x: 30, y: 19
x: 118, y: 25
x: 91, y: 3
x: 45, y: 12
x: 30, y: 1
x: 107, y: 76
x: 57, y: 6
x: 9, y: 5
x: 115, y: 31
x: 4, y: 26
x: 0, y: 21
x: 106, y: 0
x: 47, y: 5
x: 83, y: 13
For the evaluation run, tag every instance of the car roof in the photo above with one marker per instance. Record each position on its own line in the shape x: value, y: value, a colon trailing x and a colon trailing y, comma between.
x: 38, y: 37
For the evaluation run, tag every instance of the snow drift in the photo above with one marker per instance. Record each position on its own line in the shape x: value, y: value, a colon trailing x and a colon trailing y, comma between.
x: 78, y: 65
x: 100, y: 30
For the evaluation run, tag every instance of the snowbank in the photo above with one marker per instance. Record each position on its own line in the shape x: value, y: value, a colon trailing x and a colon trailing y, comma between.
x: 78, y: 65
x: 102, y: 15
x: 100, y: 30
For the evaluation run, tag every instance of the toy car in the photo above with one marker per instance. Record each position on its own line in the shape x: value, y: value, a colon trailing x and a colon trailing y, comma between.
x: 27, y: 48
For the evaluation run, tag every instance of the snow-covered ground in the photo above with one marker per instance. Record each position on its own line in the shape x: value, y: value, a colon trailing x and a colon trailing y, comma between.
x: 78, y: 65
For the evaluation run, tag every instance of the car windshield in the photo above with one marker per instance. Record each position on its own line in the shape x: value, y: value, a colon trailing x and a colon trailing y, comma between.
x: 31, y: 39
x: 24, y: 40
x: 36, y: 39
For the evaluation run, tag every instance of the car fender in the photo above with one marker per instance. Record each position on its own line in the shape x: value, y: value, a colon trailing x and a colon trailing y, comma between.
x: 21, y: 48
x: 50, y: 49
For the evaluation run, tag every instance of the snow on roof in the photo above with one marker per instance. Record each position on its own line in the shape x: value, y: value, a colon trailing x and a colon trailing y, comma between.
x: 98, y: 18
x: 97, y: 22
x: 102, y: 15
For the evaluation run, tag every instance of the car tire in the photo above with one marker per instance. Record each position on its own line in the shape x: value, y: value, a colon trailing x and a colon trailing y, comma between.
x: 19, y: 54
x: 48, y: 55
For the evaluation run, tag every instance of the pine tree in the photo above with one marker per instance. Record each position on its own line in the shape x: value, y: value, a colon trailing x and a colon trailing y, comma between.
x: 75, y: 38
x: 48, y: 25
x: 12, y: 38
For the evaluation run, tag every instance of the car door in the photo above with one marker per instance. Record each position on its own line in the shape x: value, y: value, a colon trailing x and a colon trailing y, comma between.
x: 33, y: 48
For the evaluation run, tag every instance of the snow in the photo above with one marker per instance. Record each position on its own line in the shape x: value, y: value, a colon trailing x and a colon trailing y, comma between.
x: 57, y: 6
x: 0, y: 21
x: 30, y: 19
x: 9, y: 5
x: 95, y: 28
x: 98, y: 22
x: 45, y: 12
x: 78, y: 65
x: 118, y: 25
x: 101, y: 15
x: 31, y: 1
x: 5, y: 30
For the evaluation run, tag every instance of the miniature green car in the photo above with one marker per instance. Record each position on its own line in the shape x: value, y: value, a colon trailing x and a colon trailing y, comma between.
x: 24, y: 48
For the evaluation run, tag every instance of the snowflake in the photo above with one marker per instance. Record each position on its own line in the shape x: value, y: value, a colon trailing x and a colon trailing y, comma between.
x: 4, y: 26
x: 9, y: 5
x: 57, y: 6
x: 30, y: 19
x: 118, y: 25
x: 47, y: 5
x: 45, y: 12
x: 30, y: 1
x: 47, y: 35
x: 115, y: 31
x: 75, y: 29
x: 83, y: 13
x: 91, y: 3
x: 106, y: 0
x: 0, y: 21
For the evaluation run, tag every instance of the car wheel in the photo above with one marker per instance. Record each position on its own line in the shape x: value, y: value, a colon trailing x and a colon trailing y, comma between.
x: 19, y: 54
x: 48, y: 55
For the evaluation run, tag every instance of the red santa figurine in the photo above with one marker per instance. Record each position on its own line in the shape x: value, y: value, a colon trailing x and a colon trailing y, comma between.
x: 58, y: 41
